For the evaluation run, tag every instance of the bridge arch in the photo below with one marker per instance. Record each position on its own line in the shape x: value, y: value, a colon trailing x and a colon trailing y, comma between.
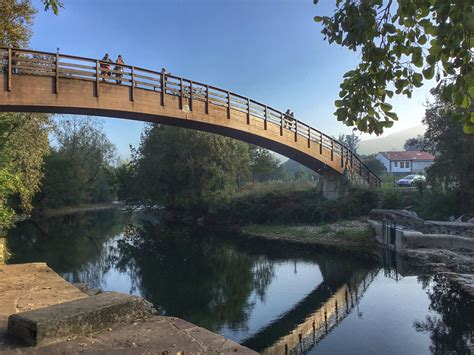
x: 34, y: 81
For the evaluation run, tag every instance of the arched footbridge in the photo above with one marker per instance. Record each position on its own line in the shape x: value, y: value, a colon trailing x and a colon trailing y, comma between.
x: 34, y: 81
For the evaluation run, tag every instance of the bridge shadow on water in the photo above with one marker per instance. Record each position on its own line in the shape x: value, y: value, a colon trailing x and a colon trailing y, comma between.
x: 273, y: 298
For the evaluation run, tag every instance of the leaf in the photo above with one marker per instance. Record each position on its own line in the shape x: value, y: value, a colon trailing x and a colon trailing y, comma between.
x: 468, y: 128
x: 392, y: 115
x: 318, y: 18
x: 422, y: 40
x: 428, y: 73
x: 386, y: 107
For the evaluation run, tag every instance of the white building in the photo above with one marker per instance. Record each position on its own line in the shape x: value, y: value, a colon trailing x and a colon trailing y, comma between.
x: 406, y: 162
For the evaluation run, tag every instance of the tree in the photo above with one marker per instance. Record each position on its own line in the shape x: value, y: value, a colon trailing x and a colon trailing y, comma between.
x: 403, y: 44
x: 262, y: 163
x: 77, y: 170
x: 23, y: 145
x: 453, y: 168
x: 351, y: 141
x: 374, y: 164
x: 414, y: 144
x: 188, y: 169
x: 16, y: 20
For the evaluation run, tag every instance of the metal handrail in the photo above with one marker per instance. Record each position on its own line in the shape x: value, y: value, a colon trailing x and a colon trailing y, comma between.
x: 60, y: 65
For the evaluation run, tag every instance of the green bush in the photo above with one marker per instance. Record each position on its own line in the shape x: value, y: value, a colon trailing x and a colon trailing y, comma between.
x: 439, y: 205
x: 392, y: 198
x: 291, y: 207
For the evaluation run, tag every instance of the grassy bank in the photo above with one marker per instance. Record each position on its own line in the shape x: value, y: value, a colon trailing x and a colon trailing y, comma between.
x: 299, y: 206
x: 75, y: 209
x: 345, y: 234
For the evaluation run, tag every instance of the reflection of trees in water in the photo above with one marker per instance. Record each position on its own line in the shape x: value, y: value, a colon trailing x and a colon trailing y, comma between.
x: 194, y: 278
x: 73, y: 245
x: 263, y: 272
x: 452, y: 328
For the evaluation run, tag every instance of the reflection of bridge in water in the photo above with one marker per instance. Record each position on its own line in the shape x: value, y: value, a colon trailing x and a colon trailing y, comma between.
x: 316, y: 315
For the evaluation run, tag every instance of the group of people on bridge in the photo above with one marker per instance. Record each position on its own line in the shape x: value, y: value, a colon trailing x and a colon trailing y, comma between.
x: 105, y: 66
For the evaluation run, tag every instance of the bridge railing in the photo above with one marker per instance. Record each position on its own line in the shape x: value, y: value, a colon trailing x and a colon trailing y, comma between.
x: 21, y: 61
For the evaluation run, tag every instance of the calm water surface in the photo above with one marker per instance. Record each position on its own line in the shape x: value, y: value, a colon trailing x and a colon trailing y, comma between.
x: 271, y: 298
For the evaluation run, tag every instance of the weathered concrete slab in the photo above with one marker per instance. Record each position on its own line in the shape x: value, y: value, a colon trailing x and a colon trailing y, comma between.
x: 153, y: 335
x: 25, y: 287
x: 82, y: 316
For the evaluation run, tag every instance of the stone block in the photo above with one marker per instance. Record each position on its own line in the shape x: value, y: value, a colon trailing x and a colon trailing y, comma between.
x: 82, y: 316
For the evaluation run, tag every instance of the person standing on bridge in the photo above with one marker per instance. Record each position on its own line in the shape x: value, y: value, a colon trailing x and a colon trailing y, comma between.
x: 105, y: 66
x: 118, y: 69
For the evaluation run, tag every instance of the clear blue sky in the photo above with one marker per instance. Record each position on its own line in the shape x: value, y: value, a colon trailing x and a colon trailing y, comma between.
x: 270, y: 50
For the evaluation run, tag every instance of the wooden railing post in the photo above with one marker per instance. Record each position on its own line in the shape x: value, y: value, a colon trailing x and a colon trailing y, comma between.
x: 265, y: 122
x: 248, y: 110
x: 97, y: 78
x: 320, y: 143
x: 162, y: 88
x: 190, y: 95
x: 133, y: 84
x: 332, y: 149
x: 282, y: 118
x: 207, y: 99
x: 181, y: 93
x: 228, y: 104
x: 9, y: 70
x: 296, y: 130
x: 56, y: 80
x: 342, y: 156
x: 309, y: 137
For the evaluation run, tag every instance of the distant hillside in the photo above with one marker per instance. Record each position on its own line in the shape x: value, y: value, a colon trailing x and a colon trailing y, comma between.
x: 393, y: 141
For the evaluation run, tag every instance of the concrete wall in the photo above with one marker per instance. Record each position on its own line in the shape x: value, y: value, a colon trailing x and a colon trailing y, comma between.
x: 412, y: 221
x: 411, y: 239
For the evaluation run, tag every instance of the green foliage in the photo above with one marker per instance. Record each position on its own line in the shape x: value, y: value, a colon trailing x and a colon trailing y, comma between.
x: 16, y: 20
x: 78, y: 169
x: 23, y: 145
x: 453, y: 168
x: 351, y: 141
x: 414, y: 144
x: 375, y: 165
x: 392, y: 198
x: 439, y: 205
x: 290, y: 207
x: 263, y: 164
x: 54, y: 5
x: 402, y: 46
x: 182, y: 168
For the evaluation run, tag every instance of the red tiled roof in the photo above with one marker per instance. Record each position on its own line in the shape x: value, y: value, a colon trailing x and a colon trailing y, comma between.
x: 409, y: 155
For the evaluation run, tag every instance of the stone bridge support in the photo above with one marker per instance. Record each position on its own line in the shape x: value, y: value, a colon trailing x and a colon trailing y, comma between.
x: 333, y: 186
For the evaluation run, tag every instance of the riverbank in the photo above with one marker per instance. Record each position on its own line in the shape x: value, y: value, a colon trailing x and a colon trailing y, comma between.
x: 50, y: 212
x: 346, y: 234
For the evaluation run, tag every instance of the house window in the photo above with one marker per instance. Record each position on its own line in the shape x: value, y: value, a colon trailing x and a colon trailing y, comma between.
x: 396, y: 164
x: 402, y: 164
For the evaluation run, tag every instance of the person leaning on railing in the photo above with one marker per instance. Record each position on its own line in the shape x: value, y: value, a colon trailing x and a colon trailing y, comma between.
x: 105, y: 66
x: 118, y: 69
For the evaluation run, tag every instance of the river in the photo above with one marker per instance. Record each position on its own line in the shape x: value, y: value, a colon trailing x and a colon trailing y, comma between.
x: 270, y: 297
